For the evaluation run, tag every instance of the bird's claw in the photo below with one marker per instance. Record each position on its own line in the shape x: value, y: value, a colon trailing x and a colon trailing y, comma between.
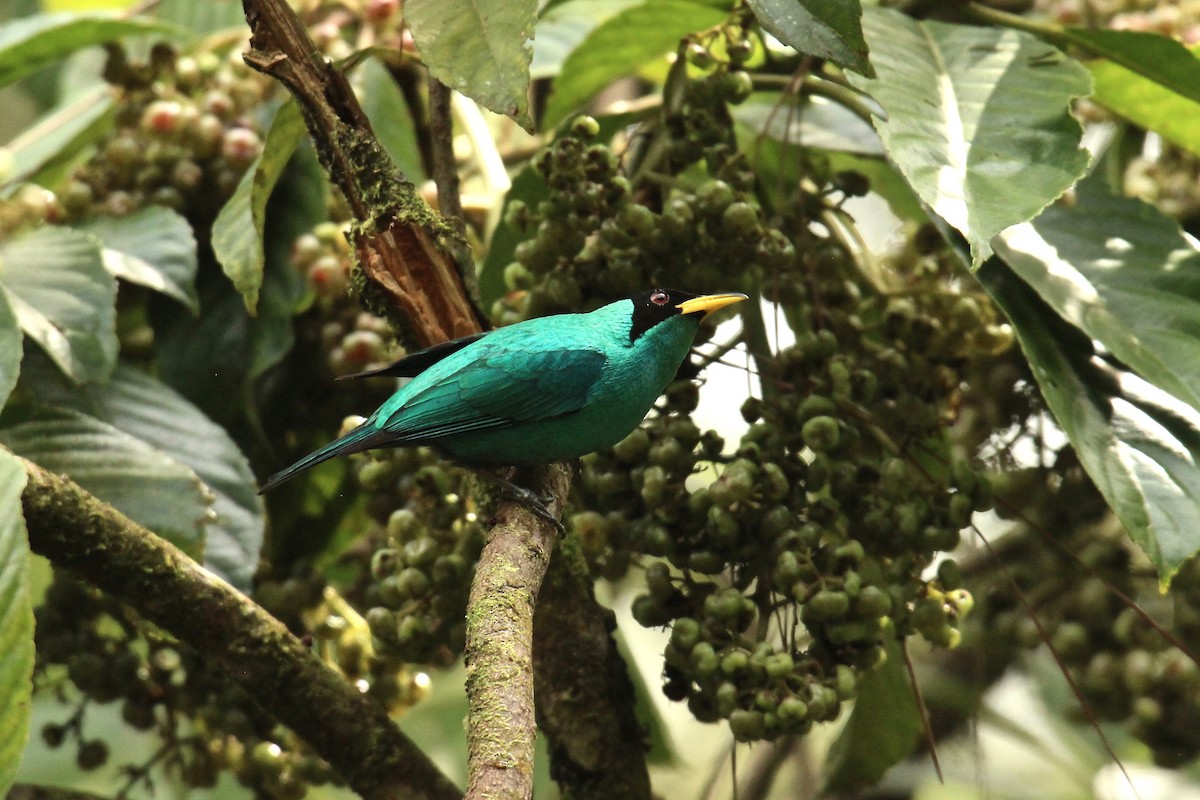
x: 536, y: 502
x: 538, y: 506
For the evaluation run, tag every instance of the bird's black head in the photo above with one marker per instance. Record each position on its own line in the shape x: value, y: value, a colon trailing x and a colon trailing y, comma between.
x: 659, y: 305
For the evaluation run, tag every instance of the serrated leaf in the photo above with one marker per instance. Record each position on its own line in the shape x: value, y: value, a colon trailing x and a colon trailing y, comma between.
x: 478, y: 47
x: 621, y: 46
x: 1123, y: 273
x: 10, y: 349
x: 153, y: 247
x: 141, y: 482
x: 29, y: 44
x: 977, y: 119
x: 237, y: 236
x: 1140, y: 445
x: 64, y: 298
x: 884, y: 727
x: 16, y: 623
x: 152, y: 412
x: 828, y: 29
x: 1147, y: 103
x: 141, y: 406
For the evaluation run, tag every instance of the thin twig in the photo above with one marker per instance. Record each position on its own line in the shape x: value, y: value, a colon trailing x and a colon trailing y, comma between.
x: 925, y: 725
x: 1062, y: 666
x: 444, y: 165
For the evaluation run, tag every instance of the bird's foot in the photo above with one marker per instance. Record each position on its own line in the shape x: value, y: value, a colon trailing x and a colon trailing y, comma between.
x: 537, y: 503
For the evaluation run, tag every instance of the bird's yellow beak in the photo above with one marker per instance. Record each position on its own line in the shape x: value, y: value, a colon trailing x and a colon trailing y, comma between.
x: 709, y: 303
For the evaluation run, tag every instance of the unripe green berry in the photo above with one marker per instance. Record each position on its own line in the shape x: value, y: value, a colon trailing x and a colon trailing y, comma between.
x: 821, y: 434
x: 826, y: 604
x: 585, y: 127
x: 747, y: 726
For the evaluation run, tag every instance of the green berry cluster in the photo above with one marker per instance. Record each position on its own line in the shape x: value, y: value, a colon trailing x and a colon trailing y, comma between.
x: 1071, y: 563
x: 787, y: 574
x: 99, y: 647
x: 430, y: 539
x: 592, y: 242
x: 342, y: 638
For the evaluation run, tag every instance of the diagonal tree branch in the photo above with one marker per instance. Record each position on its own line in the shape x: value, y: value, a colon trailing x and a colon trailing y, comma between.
x: 79, y: 533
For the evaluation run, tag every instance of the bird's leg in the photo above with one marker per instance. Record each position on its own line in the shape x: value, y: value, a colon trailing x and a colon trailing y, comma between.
x: 536, y: 503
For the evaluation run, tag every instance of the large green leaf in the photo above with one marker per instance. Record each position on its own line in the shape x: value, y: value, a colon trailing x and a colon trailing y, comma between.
x: 237, y: 236
x: 1124, y: 274
x: 561, y: 27
x: 977, y: 119
x: 64, y: 298
x: 828, y: 29
x: 622, y: 45
x: 153, y: 247
x: 883, y: 728
x: 150, y: 411
x: 10, y: 349
x: 1158, y: 58
x: 1140, y: 445
x: 479, y: 47
x: 1147, y: 103
x: 141, y: 482
x: 31, y: 43
x: 16, y: 623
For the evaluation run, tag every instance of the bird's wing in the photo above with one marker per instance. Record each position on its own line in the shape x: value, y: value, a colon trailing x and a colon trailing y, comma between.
x: 497, y: 390
x: 414, y: 364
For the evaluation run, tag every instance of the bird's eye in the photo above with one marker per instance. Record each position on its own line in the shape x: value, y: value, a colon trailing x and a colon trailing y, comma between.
x: 659, y: 298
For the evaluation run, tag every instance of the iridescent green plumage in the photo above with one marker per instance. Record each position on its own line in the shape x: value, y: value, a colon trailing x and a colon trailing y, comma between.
x: 539, y: 391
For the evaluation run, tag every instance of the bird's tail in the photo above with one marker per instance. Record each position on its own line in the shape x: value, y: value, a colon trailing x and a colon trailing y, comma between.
x: 364, y: 437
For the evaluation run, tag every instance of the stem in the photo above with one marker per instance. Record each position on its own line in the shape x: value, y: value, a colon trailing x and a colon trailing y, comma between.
x: 1055, y: 34
x: 444, y: 165
x: 445, y: 177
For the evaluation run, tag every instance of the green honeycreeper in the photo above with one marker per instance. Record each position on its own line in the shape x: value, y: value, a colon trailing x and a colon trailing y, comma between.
x: 541, y: 390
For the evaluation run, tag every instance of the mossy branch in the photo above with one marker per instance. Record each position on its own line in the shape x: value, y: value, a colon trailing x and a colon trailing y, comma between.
x: 499, y: 651
x: 354, y: 734
x: 405, y: 250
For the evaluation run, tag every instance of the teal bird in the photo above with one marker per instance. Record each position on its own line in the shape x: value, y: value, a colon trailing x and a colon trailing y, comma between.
x: 541, y: 390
